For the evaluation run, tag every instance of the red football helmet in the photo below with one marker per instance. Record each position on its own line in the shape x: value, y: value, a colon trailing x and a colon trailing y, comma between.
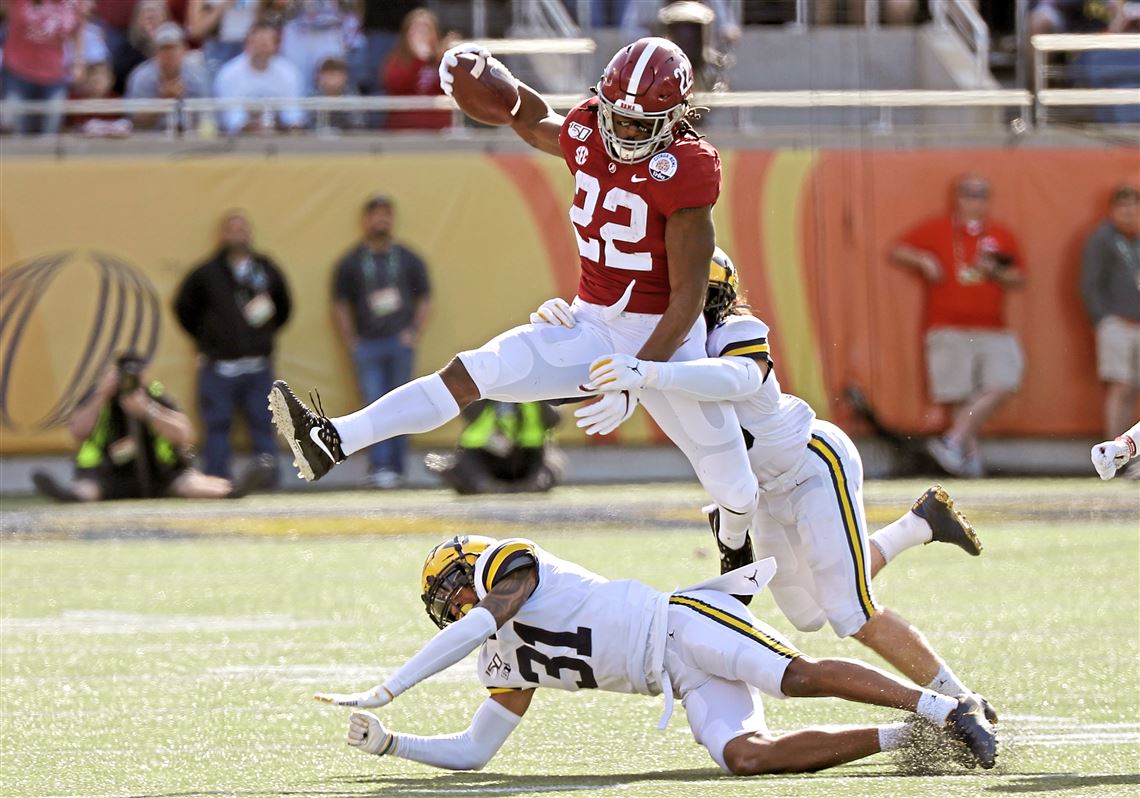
x: 649, y: 81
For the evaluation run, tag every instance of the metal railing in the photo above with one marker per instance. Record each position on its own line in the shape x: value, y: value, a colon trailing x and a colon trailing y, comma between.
x: 1045, y: 44
x: 961, y: 16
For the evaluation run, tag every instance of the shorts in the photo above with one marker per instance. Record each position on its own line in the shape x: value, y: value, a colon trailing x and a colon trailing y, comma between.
x: 962, y: 363
x: 720, y: 658
x: 816, y: 530
x: 121, y: 484
x: 1118, y: 350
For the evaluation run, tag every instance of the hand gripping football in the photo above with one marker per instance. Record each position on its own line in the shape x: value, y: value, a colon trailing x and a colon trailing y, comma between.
x: 484, y: 89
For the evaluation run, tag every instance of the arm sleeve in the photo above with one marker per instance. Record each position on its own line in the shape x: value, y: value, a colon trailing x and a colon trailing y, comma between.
x: 1133, y: 433
x: 710, y: 378
x: 452, y: 644
x: 468, y: 750
x: 920, y: 236
x: 186, y: 302
x: 421, y: 285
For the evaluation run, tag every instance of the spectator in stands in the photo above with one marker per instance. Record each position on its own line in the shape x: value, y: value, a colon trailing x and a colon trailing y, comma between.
x: 381, y: 298
x: 170, y: 75
x: 222, y: 26
x: 412, y: 69
x: 98, y: 83
x: 974, y: 362
x: 319, y: 29
x: 1110, y: 287
x: 1114, y: 69
x: 114, y: 18
x: 233, y: 305
x: 380, y: 23
x: 333, y: 81
x: 133, y: 443
x: 34, y: 67
x: 258, y: 73
x: 1070, y: 16
x: 139, y: 45
x: 641, y: 18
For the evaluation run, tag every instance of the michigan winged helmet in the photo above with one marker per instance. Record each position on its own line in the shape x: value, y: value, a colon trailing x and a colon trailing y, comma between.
x: 724, y: 283
x: 450, y: 567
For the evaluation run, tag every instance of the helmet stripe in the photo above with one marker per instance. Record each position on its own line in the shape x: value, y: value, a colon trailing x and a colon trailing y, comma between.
x: 638, y: 70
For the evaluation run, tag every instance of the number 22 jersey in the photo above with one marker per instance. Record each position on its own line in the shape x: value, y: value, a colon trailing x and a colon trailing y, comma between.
x: 620, y: 210
x: 577, y: 630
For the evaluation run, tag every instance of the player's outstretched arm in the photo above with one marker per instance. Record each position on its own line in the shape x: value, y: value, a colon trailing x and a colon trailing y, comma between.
x: 1110, y: 456
x: 709, y: 379
x: 689, y: 242
x: 471, y: 749
x: 536, y: 123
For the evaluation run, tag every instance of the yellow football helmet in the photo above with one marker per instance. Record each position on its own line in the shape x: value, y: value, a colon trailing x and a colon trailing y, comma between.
x: 723, y: 286
x: 449, y: 568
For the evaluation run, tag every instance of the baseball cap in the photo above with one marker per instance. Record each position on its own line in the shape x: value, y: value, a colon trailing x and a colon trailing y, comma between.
x: 168, y: 33
x: 379, y: 201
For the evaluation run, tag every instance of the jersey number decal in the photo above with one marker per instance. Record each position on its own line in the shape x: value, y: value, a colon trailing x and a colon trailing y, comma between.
x: 610, y: 232
x: 528, y: 656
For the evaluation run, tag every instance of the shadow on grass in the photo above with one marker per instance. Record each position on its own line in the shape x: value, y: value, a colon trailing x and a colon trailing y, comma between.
x: 494, y: 784
x: 1056, y: 782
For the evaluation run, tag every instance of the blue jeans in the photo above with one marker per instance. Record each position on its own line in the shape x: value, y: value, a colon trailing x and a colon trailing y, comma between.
x: 16, y: 88
x: 219, y: 398
x: 381, y: 365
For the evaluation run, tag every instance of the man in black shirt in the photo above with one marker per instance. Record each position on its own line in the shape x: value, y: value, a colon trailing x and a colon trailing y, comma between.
x: 233, y: 306
x: 133, y: 438
x: 381, y: 299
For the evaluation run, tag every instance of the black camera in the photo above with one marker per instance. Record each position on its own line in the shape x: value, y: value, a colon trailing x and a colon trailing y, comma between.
x: 130, y: 375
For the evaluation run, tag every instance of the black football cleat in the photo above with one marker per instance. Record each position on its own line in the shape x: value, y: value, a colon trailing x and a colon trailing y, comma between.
x: 947, y: 524
x: 312, y: 437
x: 968, y: 723
x: 731, y: 559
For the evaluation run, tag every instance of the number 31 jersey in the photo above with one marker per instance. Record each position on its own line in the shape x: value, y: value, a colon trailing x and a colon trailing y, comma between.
x: 620, y: 209
x: 577, y: 630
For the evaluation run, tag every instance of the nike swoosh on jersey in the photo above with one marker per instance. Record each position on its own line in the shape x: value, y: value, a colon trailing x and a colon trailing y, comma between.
x: 314, y: 434
x: 638, y: 179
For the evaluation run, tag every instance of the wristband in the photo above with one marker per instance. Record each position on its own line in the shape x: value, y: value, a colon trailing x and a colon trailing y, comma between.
x: 1131, y: 444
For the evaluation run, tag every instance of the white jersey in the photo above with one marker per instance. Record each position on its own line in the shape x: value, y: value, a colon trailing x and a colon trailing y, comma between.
x: 776, y: 439
x: 577, y: 629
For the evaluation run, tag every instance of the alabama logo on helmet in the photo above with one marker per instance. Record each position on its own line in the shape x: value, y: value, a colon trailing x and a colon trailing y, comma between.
x: 663, y: 166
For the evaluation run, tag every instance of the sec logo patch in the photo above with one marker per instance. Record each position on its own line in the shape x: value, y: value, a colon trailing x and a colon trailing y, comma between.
x: 663, y: 166
x: 580, y: 155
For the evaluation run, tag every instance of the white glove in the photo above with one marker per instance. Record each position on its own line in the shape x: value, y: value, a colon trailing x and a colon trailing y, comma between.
x: 555, y: 312
x: 450, y: 60
x: 366, y: 732
x: 1107, y: 457
x: 378, y: 696
x: 618, y: 372
x: 611, y: 410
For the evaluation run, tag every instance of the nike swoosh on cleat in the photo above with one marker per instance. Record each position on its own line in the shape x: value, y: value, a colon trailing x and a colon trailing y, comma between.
x: 314, y: 434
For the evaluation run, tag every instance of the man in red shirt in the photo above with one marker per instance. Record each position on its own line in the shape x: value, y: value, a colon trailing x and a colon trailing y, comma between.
x: 34, y: 67
x: 974, y: 363
x: 645, y: 183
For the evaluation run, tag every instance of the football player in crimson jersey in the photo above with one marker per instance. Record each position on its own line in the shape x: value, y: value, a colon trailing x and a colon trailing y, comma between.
x: 645, y: 184
x: 539, y: 621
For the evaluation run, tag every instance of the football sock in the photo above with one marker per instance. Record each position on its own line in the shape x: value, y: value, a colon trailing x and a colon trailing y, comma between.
x: 947, y: 683
x: 907, y: 532
x: 935, y: 707
x: 418, y: 406
x: 892, y: 736
x: 733, y: 528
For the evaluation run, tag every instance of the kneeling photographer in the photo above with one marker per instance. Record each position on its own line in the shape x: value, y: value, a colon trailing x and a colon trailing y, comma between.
x: 132, y: 442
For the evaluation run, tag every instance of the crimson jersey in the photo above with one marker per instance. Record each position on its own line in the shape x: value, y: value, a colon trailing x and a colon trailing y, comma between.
x: 620, y: 210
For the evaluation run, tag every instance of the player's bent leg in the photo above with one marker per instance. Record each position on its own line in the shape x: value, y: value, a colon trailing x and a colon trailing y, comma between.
x: 800, y: 752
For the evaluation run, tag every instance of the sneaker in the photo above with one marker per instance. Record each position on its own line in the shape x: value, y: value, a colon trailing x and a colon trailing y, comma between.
x: 968, y: 723
x: 260, y: 475
x: 947, y: 524
x: 949, y: 458
x: 47, y: 486
x: 730, y: 559
x: 312, y: 437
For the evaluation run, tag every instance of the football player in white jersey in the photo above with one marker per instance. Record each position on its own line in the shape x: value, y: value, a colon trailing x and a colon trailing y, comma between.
x: 810, y: 515
x: 539, y: 621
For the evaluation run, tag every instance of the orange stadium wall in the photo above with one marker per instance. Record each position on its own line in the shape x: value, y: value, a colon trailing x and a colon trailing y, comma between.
x: 92, y: 251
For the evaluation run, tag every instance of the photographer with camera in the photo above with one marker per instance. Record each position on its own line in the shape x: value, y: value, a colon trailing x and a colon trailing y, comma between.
x: 973, y: 361
x: 132, y: 442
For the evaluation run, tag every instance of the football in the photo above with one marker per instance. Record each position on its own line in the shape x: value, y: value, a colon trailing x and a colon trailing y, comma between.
x: 484, y: 90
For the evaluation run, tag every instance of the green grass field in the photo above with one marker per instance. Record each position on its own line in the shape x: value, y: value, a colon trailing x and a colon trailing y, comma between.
x: 171, y: 649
